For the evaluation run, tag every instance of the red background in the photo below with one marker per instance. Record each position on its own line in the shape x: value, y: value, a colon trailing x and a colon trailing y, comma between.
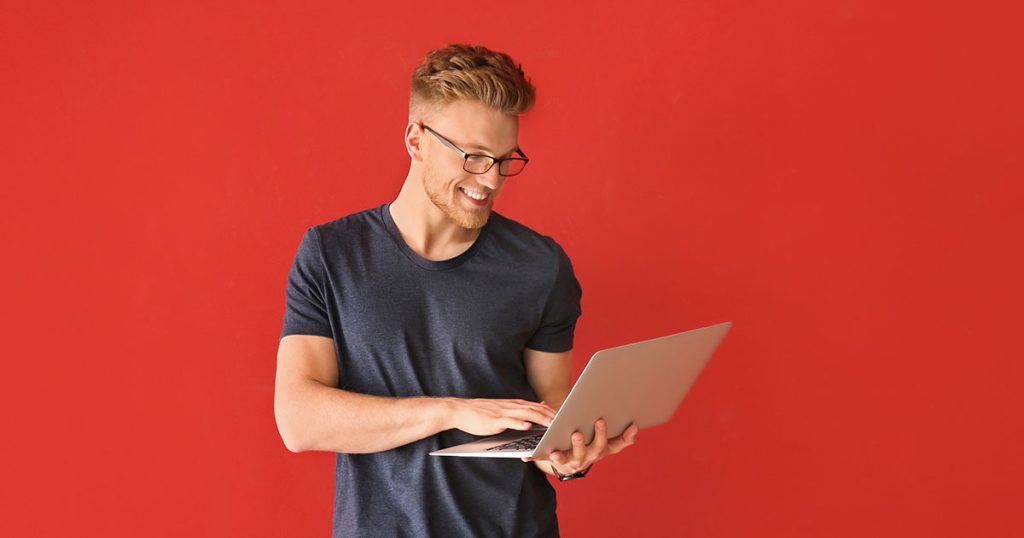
x: 840, y: 179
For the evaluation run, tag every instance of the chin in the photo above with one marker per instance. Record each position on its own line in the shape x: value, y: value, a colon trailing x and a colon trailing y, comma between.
x: 462, y: 218
x: 471, y: 221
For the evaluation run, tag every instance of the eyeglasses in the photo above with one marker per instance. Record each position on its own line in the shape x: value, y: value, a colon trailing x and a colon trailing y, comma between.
x: 479, y: 164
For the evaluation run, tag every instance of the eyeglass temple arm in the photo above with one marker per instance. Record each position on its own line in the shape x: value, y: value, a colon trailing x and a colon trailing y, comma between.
x: 444, y: 140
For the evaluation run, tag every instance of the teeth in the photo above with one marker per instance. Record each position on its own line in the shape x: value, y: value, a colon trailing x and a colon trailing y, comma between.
x: 478, y: 196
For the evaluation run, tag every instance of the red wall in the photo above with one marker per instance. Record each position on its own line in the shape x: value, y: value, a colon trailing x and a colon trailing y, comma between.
x: 840, y: 179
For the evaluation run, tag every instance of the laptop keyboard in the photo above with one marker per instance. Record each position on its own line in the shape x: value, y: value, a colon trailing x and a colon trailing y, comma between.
x: 529, y: 443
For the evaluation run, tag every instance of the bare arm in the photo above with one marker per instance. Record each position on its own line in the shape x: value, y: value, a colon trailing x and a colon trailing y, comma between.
x: 550, y: 375
x: 312, y: 414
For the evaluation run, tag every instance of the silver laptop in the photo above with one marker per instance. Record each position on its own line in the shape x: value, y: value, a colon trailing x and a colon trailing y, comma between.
x: 640, y: 384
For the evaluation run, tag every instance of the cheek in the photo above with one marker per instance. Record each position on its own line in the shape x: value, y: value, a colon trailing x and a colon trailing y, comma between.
x: 457, y: 180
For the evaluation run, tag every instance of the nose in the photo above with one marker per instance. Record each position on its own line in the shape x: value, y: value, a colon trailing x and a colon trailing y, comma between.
x: 491, y: 178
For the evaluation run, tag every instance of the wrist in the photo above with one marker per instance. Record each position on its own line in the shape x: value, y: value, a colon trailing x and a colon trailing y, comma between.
x: 570, y: 476
x: 444, y: 413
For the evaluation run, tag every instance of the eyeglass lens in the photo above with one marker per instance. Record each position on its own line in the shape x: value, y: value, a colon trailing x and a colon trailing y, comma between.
x: 478, y: 164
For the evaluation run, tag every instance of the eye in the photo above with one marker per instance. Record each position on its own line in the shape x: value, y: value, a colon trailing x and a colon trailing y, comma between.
x: 478, y: 164
x: 478, y: 159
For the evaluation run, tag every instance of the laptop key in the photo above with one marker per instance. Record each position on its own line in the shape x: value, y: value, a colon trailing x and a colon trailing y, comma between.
x: 529, y: 443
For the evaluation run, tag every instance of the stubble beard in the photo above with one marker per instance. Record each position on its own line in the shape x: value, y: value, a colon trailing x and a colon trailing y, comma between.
x: 448, y: 203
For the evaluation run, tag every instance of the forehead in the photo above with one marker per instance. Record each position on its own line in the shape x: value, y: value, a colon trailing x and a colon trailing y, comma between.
x: 474, y: 126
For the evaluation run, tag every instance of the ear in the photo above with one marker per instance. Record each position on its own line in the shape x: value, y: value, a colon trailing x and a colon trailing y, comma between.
x: 413, y: 137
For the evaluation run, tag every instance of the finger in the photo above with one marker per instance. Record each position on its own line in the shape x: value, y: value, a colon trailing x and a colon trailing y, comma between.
x: 627, y: 438
x: 548, y: 406
x: 579, y: 449
x: 559, y: 462
x: 541, y: 406
x: 521, y: 404
x: 599, y: 445
x: 524, y: 413
x: 514, y: 423
x: 548, y: 410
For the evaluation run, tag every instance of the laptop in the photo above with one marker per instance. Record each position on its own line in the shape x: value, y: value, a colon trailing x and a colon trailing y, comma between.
x: 641, y: 383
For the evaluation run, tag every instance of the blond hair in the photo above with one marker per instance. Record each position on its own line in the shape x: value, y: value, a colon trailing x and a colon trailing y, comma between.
x: 469, y: 72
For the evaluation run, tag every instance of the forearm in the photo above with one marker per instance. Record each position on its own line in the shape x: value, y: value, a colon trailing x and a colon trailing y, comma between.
x: 313, y: 416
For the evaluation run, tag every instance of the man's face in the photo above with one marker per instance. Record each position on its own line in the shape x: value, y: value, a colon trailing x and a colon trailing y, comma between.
x: 463, y: 197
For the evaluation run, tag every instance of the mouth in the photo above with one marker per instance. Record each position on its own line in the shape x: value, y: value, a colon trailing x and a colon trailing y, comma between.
x: 477, y: 198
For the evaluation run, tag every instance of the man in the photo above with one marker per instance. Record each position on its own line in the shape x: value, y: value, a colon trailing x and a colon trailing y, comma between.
x: 419, y: 324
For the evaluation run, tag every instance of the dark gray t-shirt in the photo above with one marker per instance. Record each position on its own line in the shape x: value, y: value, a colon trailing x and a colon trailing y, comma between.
x: 407, y: 326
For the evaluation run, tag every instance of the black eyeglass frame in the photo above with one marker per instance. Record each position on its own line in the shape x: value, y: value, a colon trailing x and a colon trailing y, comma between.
x: 465, y: 156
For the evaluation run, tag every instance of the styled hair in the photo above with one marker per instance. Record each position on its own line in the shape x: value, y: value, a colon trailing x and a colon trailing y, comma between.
x: 470, y: 72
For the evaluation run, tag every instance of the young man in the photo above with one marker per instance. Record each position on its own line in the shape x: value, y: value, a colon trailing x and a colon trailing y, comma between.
x: 419, y: 324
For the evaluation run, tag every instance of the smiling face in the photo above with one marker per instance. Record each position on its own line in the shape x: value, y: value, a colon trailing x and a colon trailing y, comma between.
x: 463, y: 197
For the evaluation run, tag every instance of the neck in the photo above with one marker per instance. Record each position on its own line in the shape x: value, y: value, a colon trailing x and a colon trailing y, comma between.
x: 424, y: 227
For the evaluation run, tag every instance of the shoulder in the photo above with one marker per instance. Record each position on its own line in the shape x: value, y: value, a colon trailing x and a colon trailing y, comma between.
x: 356, y: 223
x: 525, y: 243
x: 353, y: 236
x: 348, y: 232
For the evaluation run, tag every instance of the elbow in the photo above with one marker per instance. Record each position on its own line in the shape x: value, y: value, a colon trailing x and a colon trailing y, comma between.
x: 292, y: 441
x: 293, y: 444
x: 290, y: 433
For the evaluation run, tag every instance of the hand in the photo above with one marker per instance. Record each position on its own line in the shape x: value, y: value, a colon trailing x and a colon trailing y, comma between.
x: 581, y: 456
x: 488, y: 417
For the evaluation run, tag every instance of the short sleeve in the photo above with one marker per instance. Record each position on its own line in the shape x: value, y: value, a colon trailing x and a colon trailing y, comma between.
x: 305, y: 310
x: 561, y: 310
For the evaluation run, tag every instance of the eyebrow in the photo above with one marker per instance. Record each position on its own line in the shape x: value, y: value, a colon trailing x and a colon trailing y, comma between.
x: 488, y: 150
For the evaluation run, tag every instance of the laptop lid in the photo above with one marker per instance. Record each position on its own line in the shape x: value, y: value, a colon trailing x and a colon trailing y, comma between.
x: 641, y: 383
